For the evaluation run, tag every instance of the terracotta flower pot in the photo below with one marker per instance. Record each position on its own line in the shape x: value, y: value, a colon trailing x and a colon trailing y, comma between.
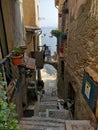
x: 60, y: 14
x: 17, y: 60
x: 61, y: 49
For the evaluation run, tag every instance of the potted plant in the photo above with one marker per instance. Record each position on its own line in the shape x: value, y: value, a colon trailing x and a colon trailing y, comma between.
x: 64, y: 36
x: 17, y: 56
x: 55, y: 33
x: 61, y: 49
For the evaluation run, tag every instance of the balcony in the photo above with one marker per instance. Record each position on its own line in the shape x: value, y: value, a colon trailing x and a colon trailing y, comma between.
x: 18, y: 79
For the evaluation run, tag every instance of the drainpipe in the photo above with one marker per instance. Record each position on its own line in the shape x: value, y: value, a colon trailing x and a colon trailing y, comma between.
x: 38, y: 71
x: 37, y: 36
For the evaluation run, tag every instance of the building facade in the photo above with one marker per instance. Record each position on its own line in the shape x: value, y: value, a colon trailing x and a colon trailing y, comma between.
x: 79, y: 22
x: 32, y: 24
x: 16, y: 31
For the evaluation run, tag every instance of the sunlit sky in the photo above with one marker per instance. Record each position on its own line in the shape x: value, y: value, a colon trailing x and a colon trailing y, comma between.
x: 48, y: 13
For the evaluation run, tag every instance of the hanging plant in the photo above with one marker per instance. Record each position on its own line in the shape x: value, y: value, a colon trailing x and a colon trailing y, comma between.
x: 60, y: 14
x: 64, y: 36
x: 55, y: 33
x: 61, y: 49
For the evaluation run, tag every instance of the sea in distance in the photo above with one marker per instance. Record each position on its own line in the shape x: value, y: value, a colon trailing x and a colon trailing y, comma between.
x: 51, y: 41
x: 48, y: 39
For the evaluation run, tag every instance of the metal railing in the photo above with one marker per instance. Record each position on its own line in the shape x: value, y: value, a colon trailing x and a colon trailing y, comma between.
x: 9, y: 72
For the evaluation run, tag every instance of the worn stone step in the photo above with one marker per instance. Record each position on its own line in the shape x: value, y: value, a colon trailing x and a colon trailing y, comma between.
x: 39, y: 123
x: 78, y: 125
x: 42, y: 114
x: 49, y: 98
x: 26, y: 127
x: 59, y: 114
x: 41, y: 119
x: 43, y: 107
x: 48, y: 102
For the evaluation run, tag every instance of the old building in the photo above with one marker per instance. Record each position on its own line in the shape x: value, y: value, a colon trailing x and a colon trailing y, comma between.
x: 80, y: 22
x: 16, y: 31
x: 32, y: 25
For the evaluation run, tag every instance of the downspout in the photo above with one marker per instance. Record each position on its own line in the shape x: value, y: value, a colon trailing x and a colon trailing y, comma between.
x: 37, y: 36
x: 38, y: 70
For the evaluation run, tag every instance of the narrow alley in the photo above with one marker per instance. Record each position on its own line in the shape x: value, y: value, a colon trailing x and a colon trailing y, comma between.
x: 47, y: 116
x: 48, y: 64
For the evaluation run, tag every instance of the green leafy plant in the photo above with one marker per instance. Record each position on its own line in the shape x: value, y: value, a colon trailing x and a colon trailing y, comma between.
x: 8, y: 116
x: 17, y: 51
x: 55, y: 33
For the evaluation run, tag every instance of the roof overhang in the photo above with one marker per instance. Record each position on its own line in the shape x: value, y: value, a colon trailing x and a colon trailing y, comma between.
x: 32, y: 28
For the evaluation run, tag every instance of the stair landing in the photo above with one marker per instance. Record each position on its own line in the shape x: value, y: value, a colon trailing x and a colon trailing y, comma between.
x: 78, y: 125
x: 37, y: 123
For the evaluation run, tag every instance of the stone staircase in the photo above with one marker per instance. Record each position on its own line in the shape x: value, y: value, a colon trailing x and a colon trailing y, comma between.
x: 39, y: 123
x: 48, y: 117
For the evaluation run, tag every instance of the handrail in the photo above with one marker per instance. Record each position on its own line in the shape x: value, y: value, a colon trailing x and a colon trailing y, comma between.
x: 3, y: 60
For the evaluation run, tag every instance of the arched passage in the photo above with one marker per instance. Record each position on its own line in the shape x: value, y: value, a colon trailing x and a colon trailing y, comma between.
x: 54, y: 64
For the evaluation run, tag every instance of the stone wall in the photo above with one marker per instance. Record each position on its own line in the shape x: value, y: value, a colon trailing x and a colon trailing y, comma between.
x: 82, y: 48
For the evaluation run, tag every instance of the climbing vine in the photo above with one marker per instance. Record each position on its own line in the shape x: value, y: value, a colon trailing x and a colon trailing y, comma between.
x: 8, y: 116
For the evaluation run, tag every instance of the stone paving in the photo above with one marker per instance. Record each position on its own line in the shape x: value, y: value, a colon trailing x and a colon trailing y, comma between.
x: 48, y: 117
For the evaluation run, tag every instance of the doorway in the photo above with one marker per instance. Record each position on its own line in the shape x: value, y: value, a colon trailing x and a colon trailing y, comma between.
x: 71, y: 96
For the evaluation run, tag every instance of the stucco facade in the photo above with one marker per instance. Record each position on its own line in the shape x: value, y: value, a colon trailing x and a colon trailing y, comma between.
x: 31, y: 12
x: 12, y: 34
x: 32, y: 23
x: 13, y: 21
x: 80, y: 51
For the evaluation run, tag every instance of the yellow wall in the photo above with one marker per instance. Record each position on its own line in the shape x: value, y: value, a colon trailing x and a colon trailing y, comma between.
x: 7, y: 22
x: 31, y: 19
x: 31, y: 12
x: 13, y: 21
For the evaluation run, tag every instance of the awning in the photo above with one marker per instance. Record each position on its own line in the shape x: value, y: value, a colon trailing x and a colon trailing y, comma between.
x: 32, y: 28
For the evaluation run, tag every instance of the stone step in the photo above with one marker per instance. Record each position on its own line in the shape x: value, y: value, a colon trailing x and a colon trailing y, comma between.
x: 59, y: 114
x: 42, y: 114
x: 43, y: 107
x: 41, y: 119
x: 26, y: 127
x: 78, y: 125
x: 48, y: 102
x: 39, y: 123
x: 49, y: 98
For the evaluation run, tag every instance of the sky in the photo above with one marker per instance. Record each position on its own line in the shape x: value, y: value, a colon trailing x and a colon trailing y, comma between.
x: 48, y: 13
